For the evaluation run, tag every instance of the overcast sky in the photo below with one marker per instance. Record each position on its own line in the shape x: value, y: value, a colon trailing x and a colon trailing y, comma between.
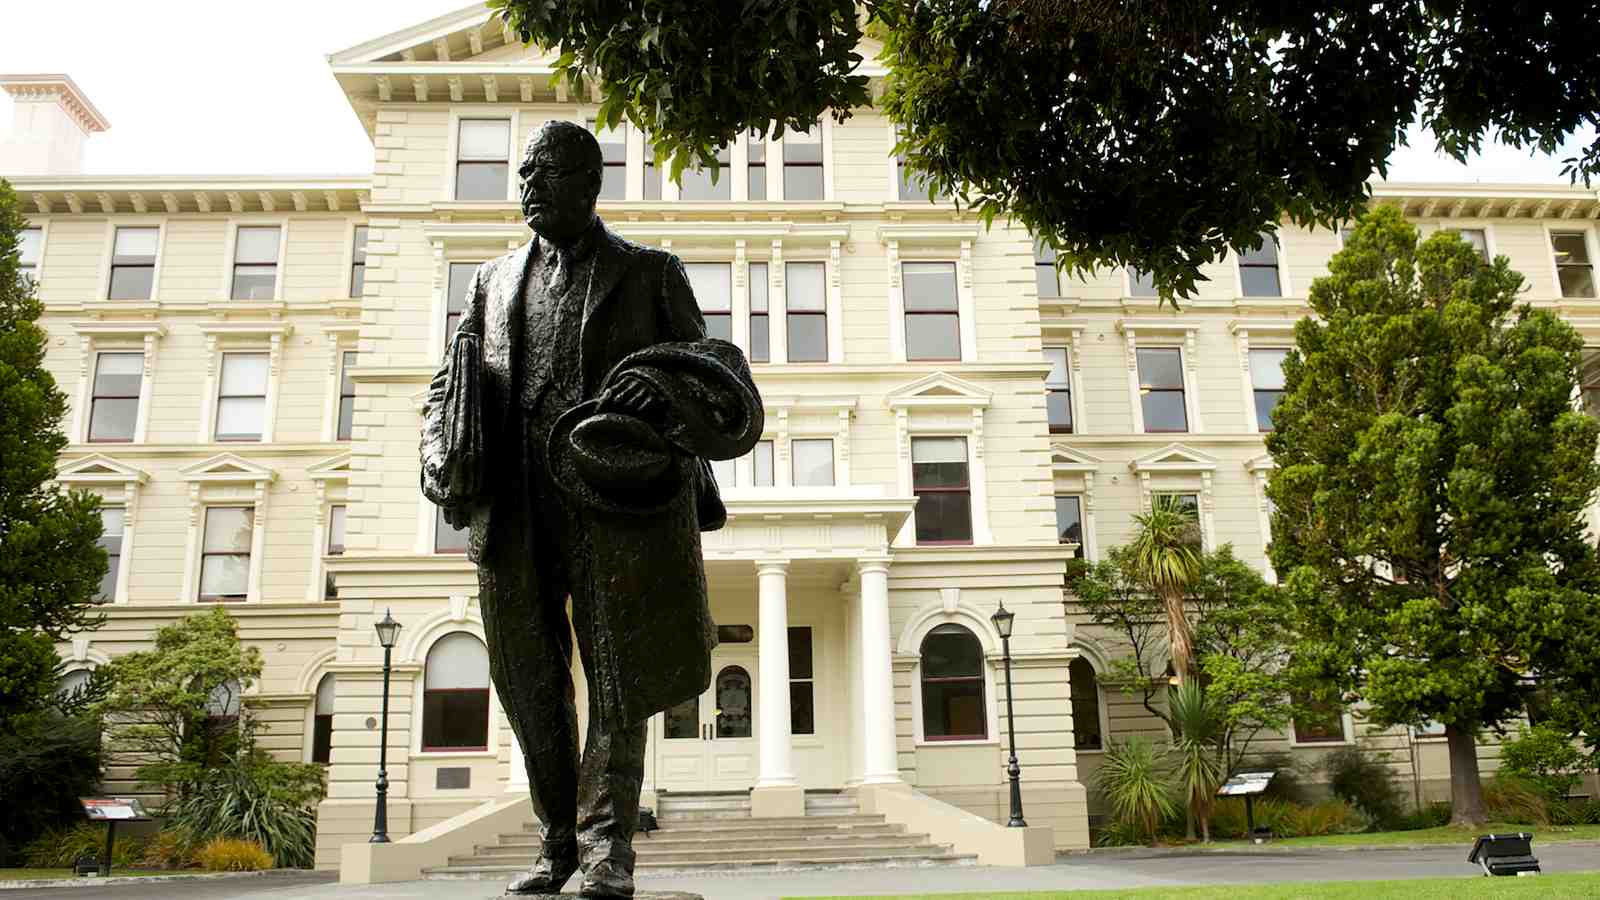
x: 228, y: 88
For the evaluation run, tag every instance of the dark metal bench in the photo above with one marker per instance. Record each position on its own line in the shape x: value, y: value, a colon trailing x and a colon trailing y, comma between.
x: 1504, y: 854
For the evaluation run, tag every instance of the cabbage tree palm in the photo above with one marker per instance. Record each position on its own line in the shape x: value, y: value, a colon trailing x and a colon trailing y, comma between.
x: 1197, y: 727
x: 1166, y: 556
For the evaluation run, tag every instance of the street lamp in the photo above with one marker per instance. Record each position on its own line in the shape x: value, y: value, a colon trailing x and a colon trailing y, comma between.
x: 388, y: 630
x: 1002, y: 619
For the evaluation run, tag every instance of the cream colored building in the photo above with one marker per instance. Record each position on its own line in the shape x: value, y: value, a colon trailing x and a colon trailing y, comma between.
x: 246, y: 358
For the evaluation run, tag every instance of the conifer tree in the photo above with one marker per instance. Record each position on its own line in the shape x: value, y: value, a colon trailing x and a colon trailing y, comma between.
x: 1433, y: 474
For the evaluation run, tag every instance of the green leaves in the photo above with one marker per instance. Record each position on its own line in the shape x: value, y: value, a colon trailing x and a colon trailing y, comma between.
x: 1432, y: 483
x: 50, y: 563
x: 1153, y: 135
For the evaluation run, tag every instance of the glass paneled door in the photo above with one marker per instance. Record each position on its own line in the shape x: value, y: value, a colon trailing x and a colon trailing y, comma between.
x: 708, y: 743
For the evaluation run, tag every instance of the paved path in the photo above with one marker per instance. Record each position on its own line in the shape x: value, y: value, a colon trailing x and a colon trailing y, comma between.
x: 1096, y: 870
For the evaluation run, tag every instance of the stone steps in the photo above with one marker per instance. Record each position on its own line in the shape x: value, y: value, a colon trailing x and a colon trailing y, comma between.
x: 716, y: 832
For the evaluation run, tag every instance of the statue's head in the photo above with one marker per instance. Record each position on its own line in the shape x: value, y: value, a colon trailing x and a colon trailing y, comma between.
x: 560, y: 176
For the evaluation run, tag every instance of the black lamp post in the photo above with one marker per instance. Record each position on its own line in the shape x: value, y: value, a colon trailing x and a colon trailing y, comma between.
x: 1002, y: 619
x: 388, y: 630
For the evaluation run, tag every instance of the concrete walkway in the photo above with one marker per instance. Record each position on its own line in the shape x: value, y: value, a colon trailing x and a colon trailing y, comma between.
x: 1102, y: 870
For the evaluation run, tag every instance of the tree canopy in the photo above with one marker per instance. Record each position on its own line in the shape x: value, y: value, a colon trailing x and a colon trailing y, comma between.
x: 1432, y: 479
x: 50, y: 563
x: 1153, y: 134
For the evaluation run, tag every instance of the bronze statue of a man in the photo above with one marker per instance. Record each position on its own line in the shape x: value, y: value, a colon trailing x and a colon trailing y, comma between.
x: 570, y: 426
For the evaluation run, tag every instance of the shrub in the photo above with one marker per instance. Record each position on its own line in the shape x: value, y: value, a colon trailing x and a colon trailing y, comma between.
x: 256, y: 798
x: 1119, y: 834
x: 59, y: 848
x: 1327, y: 817
x: 51, y: 759
x: 1510, y: 798
x: 1137, y: 782
x: 1434, y: 815
x: 1364, y: 781
x: 1588, y: 812
x: 170, y: 848
x: 233, y: 855
x: 1546, y: 757
x: 1289, y: 775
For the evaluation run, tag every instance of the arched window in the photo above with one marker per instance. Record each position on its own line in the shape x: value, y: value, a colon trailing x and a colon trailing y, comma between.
x: 72, y: 683
x: 953, y: 707
x: 734, y: 714
x: 322, y: 721
x: 1086, y: 732
x: 455, y: 695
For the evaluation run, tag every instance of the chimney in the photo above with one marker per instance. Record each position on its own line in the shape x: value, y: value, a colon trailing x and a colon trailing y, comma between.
x: 52, y: 121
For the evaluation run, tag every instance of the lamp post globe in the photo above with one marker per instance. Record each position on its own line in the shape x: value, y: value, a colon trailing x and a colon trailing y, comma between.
x: 388, y: 632
x: 1003, y: 620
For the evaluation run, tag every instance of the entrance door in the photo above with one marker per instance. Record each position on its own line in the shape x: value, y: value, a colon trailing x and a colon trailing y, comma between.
x: 708, y: 743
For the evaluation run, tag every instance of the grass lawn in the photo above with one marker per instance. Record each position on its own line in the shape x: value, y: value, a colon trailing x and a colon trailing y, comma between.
x: 1547, y: 887
x: 1542, y: 834
x: 29, y: 874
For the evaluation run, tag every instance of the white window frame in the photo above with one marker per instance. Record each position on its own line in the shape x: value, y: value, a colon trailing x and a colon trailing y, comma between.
x: 338, y: 338
x: 952, y: 245
x: 96, y: 337
x: 1177, y: 469
x: 946, y: 612
x: 514, y: 152
x: 778, y: 302
x: 791, y: 418
x: 226, y: 480
x: 1285, y: 287
x: 242, y: 337
x: 1074, y: 370
x: 43, y: 224
x: 233, y: 224
x: 448, y: 249
x: 1068, y: 463
x: 1096, y: 662
x: 1257, y: 334
x: 1347, y: 725
x: 1261, y: 469
x: 775, y: 155
x: 1589, y: 243
x: 350, y: 258
x: 1158, y: 334
x: 118, y: 485
x: 956, y: 411
x: 332, y: 477
x: 419, y: 684
x: 103, y: 295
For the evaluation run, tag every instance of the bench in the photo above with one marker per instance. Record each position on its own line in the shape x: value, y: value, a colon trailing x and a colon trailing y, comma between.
x: 1504, y: 854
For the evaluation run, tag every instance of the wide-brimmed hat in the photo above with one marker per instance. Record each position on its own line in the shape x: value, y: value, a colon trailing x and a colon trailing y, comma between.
x: 613, y: 461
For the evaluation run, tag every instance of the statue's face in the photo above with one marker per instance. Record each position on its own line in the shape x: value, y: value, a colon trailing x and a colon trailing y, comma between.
x: 558, y: 193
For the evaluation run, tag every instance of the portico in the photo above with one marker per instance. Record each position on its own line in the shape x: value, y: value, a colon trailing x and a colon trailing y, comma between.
x: 802, y: 693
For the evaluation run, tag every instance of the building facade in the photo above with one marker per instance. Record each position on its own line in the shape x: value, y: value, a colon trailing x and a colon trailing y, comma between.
x: 948, y: 423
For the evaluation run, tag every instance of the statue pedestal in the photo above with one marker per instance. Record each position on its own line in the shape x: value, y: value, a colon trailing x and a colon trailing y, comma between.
x: 638, y: 895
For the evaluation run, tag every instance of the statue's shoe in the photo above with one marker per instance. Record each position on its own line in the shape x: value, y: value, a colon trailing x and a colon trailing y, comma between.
x: 549, y: 872
x: 610, y: 878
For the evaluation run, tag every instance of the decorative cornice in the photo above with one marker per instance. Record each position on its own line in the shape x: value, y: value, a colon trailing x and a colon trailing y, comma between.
x: 63, y: 90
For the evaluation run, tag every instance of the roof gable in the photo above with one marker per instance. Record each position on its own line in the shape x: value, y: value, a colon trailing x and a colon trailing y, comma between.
x: 334, y: 468
x: 1068, y: 459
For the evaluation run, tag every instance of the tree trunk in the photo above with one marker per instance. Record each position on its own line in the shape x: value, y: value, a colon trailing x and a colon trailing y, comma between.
x: 1179, y: 634
x: 1466, y: 788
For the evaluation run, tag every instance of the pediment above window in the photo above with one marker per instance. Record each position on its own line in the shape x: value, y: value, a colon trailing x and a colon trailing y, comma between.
x: 100, y: 469
x: 939, y: 390
x: 1174, y: 458
x: 334, y: 468
x: 228, y: 468
x: 1067, y: 459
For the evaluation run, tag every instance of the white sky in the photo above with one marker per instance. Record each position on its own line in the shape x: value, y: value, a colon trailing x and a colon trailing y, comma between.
x: 196, y: 87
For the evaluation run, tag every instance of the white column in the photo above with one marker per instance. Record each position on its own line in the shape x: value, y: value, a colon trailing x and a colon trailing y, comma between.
x: 877, y: 676
x: 772, y: 702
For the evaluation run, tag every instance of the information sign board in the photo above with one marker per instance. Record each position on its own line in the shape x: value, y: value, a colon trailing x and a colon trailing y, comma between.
x: 1245, y: 784
x: 126, y: 809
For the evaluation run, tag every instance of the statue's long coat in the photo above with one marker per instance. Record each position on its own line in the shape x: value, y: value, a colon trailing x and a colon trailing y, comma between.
x: 654, y: 628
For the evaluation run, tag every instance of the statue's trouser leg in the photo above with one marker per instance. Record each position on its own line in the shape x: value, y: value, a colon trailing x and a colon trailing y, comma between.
x: 530, y: 660
x: 612, y: 772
